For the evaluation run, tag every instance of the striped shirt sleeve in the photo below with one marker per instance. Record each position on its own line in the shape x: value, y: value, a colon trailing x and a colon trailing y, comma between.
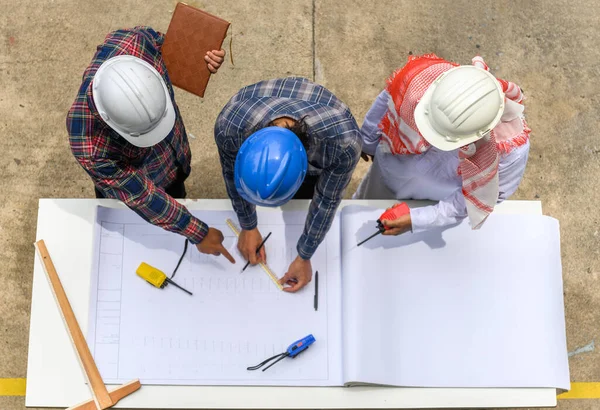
x: 328, y: 195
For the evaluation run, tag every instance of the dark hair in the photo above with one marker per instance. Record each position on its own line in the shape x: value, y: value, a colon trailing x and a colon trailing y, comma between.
x: 299, y: 127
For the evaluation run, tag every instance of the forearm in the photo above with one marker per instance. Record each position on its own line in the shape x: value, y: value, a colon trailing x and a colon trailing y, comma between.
x: 158, y: 208
x: 448, y: 211
x: 245, y: 211
x: 318, y: 222
x: 184, y: 224
x: 328, y: 195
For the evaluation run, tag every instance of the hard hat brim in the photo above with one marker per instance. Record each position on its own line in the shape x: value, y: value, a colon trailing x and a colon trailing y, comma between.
x: 158, y: 133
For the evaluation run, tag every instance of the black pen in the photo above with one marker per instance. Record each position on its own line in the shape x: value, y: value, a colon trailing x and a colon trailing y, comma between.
x: 317, y: 291
x: 258, y: 249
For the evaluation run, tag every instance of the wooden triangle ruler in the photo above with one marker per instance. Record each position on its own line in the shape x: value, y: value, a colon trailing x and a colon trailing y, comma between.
x: 102, y: 398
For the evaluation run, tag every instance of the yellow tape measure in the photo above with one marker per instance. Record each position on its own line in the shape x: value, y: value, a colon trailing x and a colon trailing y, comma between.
x: 273, y: 277
x: 156, y: 277
x: 152, y: 275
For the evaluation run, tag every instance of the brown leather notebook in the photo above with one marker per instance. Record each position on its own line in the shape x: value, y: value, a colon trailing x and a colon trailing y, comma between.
x: 191, y: 33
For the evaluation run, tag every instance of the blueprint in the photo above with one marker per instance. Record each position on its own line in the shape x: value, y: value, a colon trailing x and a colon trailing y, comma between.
x: 450, y: 307
x: 233, y: 320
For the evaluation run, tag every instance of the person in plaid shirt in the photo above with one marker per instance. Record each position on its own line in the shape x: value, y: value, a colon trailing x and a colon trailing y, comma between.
x: 331, y: 138
x: 126, y: 131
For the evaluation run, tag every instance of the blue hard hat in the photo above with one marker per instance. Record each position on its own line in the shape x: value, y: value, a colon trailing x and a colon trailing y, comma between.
x: 270, y: 166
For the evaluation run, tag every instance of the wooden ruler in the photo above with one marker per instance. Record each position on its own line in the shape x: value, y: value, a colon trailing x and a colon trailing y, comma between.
x: 273, y: 277
x: 103, y: 399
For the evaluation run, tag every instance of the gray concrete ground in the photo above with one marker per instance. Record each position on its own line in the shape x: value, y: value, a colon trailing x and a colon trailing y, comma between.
x: 548, y: 47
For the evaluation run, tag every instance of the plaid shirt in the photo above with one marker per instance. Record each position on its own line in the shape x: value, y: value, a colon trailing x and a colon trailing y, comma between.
x: 136, y: 176
x: 335, y: 146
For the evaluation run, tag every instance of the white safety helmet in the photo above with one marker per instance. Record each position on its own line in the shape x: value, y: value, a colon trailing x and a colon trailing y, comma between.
x: 461, y: 106
x: 133, y: 99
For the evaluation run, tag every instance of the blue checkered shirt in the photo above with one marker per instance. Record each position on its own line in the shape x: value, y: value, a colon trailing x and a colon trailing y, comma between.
x: 334, y: 147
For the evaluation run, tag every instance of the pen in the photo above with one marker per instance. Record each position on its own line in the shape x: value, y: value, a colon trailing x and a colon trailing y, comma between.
x: 316, y: 302
x: 258, y: 249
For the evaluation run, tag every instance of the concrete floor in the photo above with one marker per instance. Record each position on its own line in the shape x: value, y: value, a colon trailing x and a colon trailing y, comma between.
x: 549, y: 47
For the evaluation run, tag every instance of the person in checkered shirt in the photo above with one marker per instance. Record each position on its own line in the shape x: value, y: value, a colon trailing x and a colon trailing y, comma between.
x: 282, y: 139
x: 126, y: 131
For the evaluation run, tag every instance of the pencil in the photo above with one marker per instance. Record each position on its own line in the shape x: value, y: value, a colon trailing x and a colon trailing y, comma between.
x: 316, y: 302
x: 258, y: 249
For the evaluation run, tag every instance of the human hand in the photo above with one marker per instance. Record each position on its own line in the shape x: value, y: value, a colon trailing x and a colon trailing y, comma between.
x: 397, y: 226
x: 214, y: 59
x: 212, y: 244
x: 366, y: 156
x: 298, y: 275
x: 248, y: 243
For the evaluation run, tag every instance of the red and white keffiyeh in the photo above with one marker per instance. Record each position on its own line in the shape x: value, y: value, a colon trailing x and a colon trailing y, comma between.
x: 478, y: 161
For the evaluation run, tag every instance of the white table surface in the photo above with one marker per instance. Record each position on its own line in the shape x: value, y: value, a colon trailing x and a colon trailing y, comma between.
x: 55, y: 378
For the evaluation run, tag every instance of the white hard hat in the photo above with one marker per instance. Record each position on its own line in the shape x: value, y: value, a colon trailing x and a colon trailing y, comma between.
x: 133, y: 99
x: 461, y: 106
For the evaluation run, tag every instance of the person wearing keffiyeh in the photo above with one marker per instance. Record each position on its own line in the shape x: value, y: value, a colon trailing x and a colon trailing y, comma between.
x: 126, y: 132
x: 448, y: 133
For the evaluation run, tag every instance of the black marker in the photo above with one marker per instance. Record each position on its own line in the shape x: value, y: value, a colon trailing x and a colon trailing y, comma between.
x: 316, y: 302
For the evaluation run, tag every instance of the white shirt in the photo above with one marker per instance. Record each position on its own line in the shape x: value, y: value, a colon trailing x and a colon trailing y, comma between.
x: 432, y: 175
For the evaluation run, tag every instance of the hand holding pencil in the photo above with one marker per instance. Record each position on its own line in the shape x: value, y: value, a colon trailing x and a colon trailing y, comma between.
x: 249, y: 245
x: 260, y: 247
